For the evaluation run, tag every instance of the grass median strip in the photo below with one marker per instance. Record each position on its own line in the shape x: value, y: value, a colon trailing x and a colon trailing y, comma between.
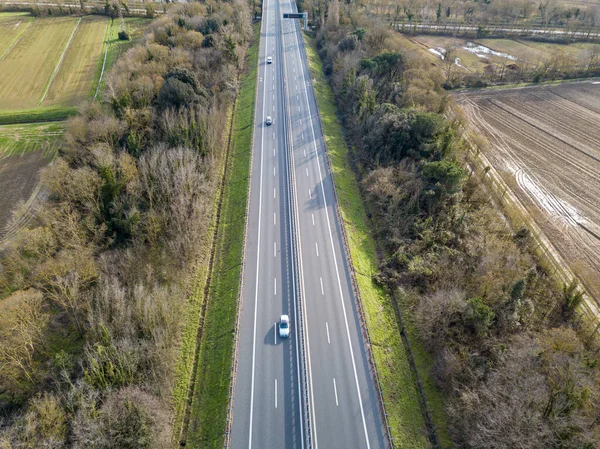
x: 208, y: 412
x: 398, y: 381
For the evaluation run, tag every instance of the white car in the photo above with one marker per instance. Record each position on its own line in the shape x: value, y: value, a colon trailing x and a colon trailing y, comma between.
x: 284, y: 326
x: 269, y: 120
x: 269, y: 60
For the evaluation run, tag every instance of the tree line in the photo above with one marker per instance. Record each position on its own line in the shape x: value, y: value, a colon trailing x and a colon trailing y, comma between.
x: 508, y: 350
x: 94, y: 289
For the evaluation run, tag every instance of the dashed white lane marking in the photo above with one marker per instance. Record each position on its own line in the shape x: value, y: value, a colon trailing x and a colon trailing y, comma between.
x: 335, y: 392
x: 302, y: 134
x: 305, y: 152
x: 275, y: 286
x: 275, y: 341
x: 275, y: 250
x: 317, y: 247
x: 322, y: 291
x: 313, y: 219
x: 273, y: 108
x: 327, y: 327
x: 274, y: 192
x: 309, y: 194
x: 275, y: 385
x: 307, y: 172
x: 298, y: 108
x: 273, y: 171
x: 301, y: 121
x: 273, y: 136
x: 273, y: 97
x: 274, y: 217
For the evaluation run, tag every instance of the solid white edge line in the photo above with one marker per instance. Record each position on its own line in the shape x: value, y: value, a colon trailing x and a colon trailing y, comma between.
x: 262, y: 140
x: 362, y: 412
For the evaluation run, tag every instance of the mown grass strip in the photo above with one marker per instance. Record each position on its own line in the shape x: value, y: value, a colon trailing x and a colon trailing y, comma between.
x: 398, y: 382
x: 211, y: 389
x: 44, y: 114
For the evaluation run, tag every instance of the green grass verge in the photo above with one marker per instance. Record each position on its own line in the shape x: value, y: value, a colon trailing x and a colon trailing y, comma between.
x: 397, y: 379
x: 24, y: 138
x: 37, y: 115
x: 208, y: 412
x: 135, y: 26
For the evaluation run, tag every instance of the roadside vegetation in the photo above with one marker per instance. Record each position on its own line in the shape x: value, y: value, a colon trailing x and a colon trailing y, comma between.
x: 95, y: 288
x: 501, y: 334
x: 209, y: 407
x: 399, y: 392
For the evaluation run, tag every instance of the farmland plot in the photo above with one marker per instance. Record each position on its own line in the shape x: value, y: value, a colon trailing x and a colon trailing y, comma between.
x: 24, y: 150
x: 80, y: 64
x: 545, y: 143
x: 27, y: 68
x: 11, y: 29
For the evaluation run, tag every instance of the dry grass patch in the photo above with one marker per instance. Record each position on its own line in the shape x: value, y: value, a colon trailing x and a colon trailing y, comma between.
x: 11, y: 28
x: 79, y: 66
x: 26, y: 69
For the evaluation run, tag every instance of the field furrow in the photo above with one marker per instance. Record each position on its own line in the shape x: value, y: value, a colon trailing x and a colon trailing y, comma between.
x: 545, y: 143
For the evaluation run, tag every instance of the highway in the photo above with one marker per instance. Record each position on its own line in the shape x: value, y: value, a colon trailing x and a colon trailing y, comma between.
x: 294, y: 260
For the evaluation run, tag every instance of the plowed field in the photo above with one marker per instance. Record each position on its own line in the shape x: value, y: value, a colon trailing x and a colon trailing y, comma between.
x: 545, y: 143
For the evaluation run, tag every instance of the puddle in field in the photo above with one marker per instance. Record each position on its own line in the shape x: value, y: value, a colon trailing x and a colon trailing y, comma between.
x: 481, y: 51
x: 440, y: 52
x: 546, y: 200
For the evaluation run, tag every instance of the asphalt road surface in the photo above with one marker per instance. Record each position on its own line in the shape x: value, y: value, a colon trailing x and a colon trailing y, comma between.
x: 268, y: 405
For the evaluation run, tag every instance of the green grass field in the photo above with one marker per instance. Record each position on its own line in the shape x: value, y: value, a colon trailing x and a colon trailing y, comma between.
x: 211, y: 390
x: 397, y: 379
x: 16, y: 140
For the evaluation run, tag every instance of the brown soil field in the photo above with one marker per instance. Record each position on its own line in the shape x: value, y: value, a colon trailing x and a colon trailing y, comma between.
x: 19, y: 176
x: 545, y: 143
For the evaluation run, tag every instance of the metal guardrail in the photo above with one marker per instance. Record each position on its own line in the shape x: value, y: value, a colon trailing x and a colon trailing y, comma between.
x: 301, y: 339
x: 348, y: 256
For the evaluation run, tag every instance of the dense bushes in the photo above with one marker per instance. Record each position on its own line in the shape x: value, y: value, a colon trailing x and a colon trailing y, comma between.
x: 95, y: 286
x: 514, y: 370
